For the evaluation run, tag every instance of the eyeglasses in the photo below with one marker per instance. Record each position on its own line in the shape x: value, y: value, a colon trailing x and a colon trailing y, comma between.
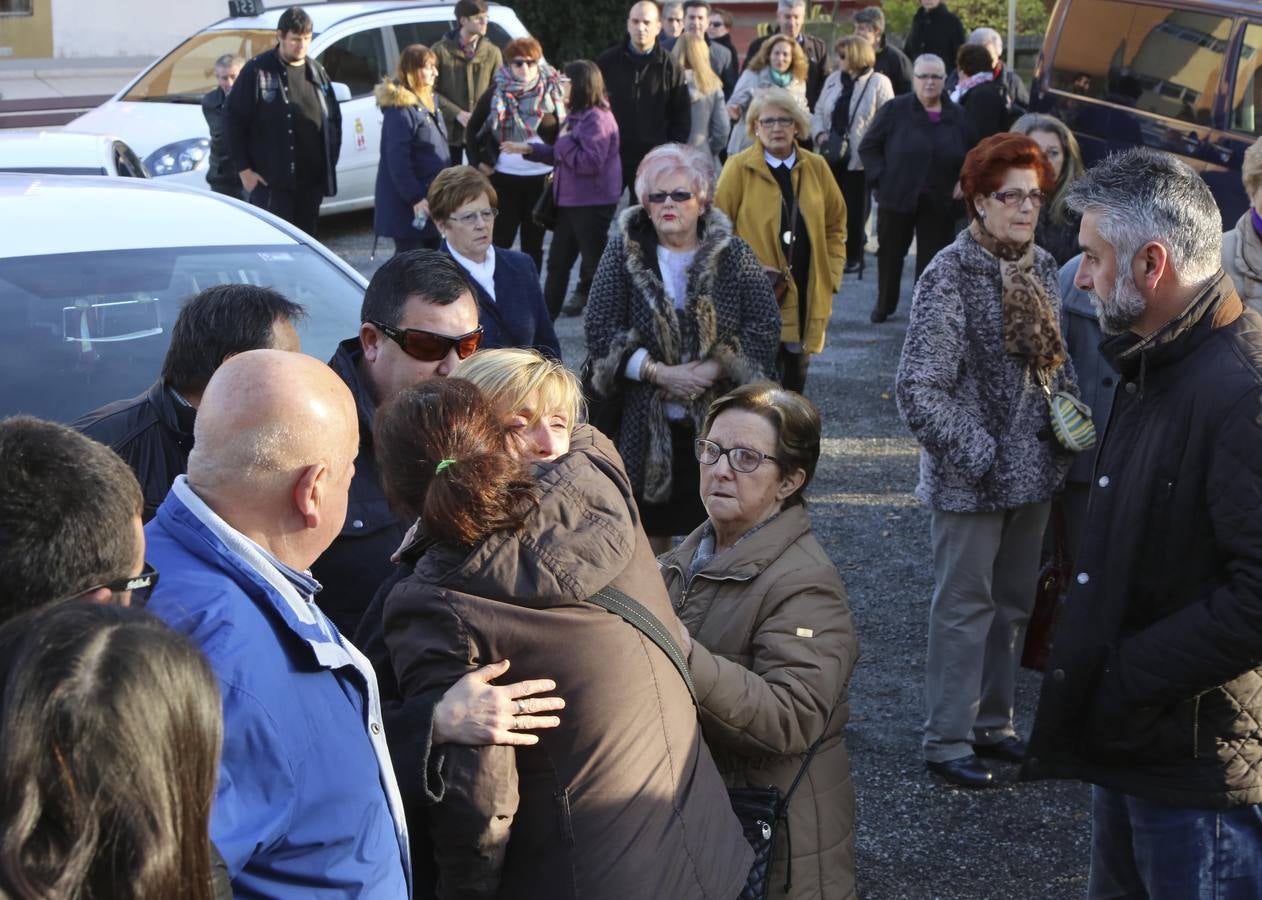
x: 486, y: 215
x: 525, y: 62
x: 429, y: 346
x: 1017, y: 198
x: 140, y: 586
x: 741, y: 459
x: 776, y: 122
x: 933, y: 76
x: 677, y: 196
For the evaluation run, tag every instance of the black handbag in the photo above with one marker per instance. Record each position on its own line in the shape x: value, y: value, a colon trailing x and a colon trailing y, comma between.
x: 760, y: 810
x: 545, y: 209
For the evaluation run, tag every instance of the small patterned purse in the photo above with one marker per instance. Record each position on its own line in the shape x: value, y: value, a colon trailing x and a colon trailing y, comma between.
x: 1071, y: 418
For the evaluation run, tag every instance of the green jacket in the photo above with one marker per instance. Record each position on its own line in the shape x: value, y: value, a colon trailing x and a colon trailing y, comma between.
x: 462, y: 81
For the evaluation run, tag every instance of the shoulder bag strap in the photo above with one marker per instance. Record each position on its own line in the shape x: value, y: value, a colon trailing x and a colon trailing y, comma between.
x: 631, y: 610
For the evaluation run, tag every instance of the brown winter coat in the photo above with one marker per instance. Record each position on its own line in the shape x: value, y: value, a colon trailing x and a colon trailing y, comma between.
x: 623, y: 800
x: 773, y: 646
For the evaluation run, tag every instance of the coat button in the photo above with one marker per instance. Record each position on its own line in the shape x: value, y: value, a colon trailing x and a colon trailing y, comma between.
x: 375, y: 728
x: 1131, y: 387
x: 1083, y: 577
x: 358, y: 523
x: 1104, y: 481
x: 1058, y: 675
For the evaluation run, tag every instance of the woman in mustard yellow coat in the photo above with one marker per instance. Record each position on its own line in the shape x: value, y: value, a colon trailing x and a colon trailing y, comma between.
x: 784, y: 202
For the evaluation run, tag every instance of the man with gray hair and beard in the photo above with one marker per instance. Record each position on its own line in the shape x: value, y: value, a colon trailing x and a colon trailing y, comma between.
x: 1154, y: 688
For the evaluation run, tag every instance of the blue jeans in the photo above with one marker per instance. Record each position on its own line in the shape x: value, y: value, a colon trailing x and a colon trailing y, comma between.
x: 1149, y: 852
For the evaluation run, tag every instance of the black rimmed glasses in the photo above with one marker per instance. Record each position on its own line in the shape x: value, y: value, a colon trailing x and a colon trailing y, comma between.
x: 741, y: 459
x: 430, y: 346
x: 139, y: 586
x: 1016, y: 198
x: 662, y: 196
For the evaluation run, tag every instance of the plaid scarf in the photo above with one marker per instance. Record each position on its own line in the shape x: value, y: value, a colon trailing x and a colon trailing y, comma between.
x: 518, y: 106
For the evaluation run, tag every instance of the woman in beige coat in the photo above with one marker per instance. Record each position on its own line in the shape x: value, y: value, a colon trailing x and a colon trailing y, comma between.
x: 768, y: 632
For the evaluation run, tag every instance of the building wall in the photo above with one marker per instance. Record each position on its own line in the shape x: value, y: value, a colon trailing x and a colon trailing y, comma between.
x: 24, y: 36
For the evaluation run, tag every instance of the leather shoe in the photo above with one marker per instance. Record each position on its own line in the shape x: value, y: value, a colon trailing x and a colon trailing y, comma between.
x: 1010, y: 749
x: 967, y: 771
x: 877, y: 317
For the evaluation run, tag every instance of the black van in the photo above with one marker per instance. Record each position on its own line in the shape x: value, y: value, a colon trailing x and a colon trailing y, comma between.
x: 1183, y: 76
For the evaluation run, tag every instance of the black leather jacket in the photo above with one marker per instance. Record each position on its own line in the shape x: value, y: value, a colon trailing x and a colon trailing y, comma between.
x: 220, y: 173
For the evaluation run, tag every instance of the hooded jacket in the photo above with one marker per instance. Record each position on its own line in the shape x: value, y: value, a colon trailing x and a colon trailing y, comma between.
x: 1154, y: 684
x: 622, y: 800
x: 773, y: 647
x: 414, y: 149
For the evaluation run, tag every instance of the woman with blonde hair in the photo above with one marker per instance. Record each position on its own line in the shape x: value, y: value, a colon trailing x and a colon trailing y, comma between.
x: 1242, y: 245
x: 784, y: 201
x: 710, y: 124
x: 538, y: 399
x: 780, y: 63
x: 1058, y: 224
x: 844, y: 112
x: 413, y: 150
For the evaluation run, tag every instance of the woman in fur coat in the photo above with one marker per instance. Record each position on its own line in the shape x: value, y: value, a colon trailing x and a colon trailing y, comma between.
x: 679, y: 313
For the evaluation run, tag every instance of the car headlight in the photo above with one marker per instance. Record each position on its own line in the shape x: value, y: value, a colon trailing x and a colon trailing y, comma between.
x: 182, y: 156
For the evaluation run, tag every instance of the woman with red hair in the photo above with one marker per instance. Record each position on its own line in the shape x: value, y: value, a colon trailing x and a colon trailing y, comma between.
x: 983, y: 339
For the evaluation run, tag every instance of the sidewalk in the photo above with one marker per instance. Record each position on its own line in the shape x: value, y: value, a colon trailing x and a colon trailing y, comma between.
x: 51, y: 79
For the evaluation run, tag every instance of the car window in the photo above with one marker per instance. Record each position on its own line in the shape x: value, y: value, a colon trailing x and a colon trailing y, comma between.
x: 357, y: 60
x: 1151, y: 58
x: 188, y: 71
x: 79, y: 330
x: 430, y: 33
x: 1246, y: 108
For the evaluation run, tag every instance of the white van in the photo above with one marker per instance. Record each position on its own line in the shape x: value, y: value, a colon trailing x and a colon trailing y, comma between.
x: 159, y: 112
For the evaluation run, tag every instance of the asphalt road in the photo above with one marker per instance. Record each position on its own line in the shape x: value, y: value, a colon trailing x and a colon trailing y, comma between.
x: 917, y: 838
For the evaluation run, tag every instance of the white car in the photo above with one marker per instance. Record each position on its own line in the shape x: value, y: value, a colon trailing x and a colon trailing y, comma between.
x: 93, y: 273
x: 159, y: 112
x: 62, y: 153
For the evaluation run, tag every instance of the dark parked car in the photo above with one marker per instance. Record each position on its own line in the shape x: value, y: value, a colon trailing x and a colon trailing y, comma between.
x: 1178, y: 75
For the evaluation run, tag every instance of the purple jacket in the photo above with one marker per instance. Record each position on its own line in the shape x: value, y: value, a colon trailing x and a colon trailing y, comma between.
x: 588, y: 169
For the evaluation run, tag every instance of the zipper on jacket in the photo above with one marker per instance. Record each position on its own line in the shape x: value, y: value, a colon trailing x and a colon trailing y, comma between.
x: 688, y: 582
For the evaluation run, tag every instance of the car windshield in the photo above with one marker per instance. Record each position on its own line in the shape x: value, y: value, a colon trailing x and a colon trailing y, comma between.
x: 78, y: 330
x: 188, y: 71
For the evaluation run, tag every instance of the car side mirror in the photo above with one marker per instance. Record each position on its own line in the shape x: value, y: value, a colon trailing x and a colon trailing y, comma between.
x: 341, y: 93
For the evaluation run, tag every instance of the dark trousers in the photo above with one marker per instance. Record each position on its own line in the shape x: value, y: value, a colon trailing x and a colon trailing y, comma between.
x: 579, y: 230
x: 518, y: 195
x: 229, y: 188
x: 299, y: 207
x: 932, y: 223
x: 854, y: 190
x: 792, y: 369
x: 457, y: 153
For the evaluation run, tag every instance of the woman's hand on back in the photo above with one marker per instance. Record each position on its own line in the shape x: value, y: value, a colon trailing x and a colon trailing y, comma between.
x: 476, y: 713
x: 515, y: 147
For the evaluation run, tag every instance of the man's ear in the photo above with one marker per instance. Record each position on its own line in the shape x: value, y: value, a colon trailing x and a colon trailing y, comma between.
x: 99, y: 595
x: 309, y: 493
x: 1152, y: 266
x: 370, y: 341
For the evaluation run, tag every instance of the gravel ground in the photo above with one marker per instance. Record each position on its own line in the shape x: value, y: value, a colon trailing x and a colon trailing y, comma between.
x: 916, y: 837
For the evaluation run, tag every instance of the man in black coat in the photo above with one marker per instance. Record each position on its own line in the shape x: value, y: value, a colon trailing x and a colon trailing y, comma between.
x: 869, y: 24
x: 791, y: 19
x: 937, y: 30
x: 1153, y: 691
x: 220, y: 173
x: 153, y: 432
x: 647, y: 92
x: 285, y: 127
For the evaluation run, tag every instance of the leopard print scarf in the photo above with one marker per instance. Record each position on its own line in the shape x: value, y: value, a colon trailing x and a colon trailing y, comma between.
x: 1030, y: 329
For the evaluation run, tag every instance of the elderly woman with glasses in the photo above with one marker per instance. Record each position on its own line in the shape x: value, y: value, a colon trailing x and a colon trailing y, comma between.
x: 463, y: 204
x: 526, y: 101
x: 912, y: 156
x: 784, y: 201
x: 984, y: 338
x: 768, y: 631
x: 679, y: 313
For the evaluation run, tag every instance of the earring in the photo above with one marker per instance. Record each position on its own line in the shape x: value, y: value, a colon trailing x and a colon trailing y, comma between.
x: 981, y: 214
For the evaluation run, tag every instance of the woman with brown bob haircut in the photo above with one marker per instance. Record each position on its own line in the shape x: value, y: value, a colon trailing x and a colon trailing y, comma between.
x: 621, y: 799
x: 983, y: 339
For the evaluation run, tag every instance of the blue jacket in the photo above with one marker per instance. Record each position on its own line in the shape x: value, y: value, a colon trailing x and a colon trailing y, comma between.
x: 413, y: 151
x: 307, y: 804
x: 517, y: 317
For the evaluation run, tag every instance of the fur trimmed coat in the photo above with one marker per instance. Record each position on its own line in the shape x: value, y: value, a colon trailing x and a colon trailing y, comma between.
x: 413, y: 151
x: 980, y: 416
x: 730, y: 316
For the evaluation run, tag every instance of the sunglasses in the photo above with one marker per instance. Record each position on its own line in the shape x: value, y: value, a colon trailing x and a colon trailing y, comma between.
x: 141, y: 587
x: 677, y: 196
x: 525, y: 62
x: 428, y: 346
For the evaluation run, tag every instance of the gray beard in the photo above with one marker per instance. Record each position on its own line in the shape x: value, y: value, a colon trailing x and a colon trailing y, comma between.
x: 1120, y: 311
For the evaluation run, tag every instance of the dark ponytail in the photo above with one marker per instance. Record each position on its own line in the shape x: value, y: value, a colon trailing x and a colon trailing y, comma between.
x: 446, y: 424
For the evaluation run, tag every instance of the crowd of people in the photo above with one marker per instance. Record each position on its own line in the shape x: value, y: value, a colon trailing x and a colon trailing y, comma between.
x: 442, y: 618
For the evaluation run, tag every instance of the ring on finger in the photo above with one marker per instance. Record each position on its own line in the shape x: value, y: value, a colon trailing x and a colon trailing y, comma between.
x: 519, y: 707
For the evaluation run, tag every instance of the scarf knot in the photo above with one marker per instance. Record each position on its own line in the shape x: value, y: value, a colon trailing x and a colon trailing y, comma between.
x: 518, y: 106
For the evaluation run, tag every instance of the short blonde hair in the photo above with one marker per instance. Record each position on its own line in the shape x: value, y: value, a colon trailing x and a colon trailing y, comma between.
x: 1251, y: 169
x: 514, y: 379
x: 455, y: 186
x: 856, y: 53
x: 776, y: 98
x: 668, y: 159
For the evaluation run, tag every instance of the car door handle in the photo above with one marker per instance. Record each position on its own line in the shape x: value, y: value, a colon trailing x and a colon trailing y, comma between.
x: 1223, y: 152
x: 1191, y: 140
